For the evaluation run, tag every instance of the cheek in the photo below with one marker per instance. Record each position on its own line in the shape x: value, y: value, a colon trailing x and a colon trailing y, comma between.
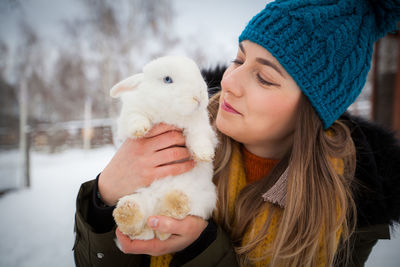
x: 273, y: 115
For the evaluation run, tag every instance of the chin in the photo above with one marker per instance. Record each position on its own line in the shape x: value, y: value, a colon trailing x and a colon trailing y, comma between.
x: 225, y: 125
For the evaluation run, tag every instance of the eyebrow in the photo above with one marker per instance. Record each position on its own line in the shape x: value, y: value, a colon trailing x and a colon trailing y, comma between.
x: 269, y: 63
x: 263, y: 61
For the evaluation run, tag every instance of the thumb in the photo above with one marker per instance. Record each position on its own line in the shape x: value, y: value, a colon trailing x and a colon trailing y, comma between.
x: 164, y: 224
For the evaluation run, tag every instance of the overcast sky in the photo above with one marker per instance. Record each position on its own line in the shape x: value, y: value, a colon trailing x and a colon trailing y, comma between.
x: 219, y: 21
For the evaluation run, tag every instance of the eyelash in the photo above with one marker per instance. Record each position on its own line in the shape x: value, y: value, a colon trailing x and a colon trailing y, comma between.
x: 237, y: 62
x: 261, y: 80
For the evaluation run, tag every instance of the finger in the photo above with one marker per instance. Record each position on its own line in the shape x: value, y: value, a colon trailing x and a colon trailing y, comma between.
x: 173, y: 169
x: 166, y: 139
x: 124, y: 241
x: 154, y: 247
x: 165, y: 224
x: 160, y: 128
x: 170, y: 155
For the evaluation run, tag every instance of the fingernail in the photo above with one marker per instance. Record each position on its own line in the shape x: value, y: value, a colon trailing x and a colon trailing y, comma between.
x: 153, y: 222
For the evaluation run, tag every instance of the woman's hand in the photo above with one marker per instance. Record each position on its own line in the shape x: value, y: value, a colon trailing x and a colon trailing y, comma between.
x: 184, y: 232
x: 138, y: 162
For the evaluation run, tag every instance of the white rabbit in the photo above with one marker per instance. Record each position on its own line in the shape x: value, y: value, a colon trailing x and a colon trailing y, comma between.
x: 170, y: 90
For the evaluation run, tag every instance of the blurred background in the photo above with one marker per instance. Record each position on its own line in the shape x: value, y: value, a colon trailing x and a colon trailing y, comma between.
x: 58, y: 60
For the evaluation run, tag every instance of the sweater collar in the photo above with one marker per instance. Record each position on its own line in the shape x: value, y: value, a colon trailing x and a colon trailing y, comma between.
x: 277, y: 193
x: 237, y: 181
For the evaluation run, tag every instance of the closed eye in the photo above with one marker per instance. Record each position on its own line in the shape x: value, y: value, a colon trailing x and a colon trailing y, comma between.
x: 261, y: 80
x: 237, y: 62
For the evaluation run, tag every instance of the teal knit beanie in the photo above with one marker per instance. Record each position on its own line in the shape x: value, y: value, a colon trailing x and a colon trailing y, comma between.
x: 325, y: 45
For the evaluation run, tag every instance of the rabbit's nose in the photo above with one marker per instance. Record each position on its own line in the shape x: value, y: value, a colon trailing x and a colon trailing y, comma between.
x: 197, y: 100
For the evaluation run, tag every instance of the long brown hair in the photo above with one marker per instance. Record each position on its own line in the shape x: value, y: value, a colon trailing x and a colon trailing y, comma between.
x: 319, y: 203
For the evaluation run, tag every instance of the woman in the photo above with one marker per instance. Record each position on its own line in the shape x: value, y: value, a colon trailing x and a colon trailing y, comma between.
x: 289, y: 190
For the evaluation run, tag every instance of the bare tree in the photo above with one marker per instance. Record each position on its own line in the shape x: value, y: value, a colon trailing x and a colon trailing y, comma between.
x: 109, y: 42
x: 386, y: 59
x: 69, y: 86
x: 3, y: 58
x: 8, y: 100
x: 120, y: 30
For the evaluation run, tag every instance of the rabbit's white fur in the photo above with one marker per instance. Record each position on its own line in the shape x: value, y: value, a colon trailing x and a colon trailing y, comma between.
x: 170, y: 90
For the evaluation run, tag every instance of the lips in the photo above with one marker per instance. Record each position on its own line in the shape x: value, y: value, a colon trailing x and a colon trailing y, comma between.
x: 225, y: 106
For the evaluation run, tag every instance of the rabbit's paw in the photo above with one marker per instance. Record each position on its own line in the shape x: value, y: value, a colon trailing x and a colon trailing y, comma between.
x: 129, y: 217
x: 203, y: 153
x: 175, y: 204
x: 146, y: 233
x: 139, y: 127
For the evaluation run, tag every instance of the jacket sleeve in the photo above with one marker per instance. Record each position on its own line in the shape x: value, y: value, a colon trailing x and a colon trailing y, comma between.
x: 92, y: 248
x: 219, y: 253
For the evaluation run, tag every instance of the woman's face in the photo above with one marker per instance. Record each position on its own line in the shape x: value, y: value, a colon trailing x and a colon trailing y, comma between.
x: 259, y: 101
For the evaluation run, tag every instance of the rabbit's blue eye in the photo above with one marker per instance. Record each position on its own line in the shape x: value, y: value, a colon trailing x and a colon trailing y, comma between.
x: 167, y: 79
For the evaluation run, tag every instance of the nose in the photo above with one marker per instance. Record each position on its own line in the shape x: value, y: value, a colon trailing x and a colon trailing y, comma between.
x: 233, y: 80
x: 201, y: 96
x: 196, y: 99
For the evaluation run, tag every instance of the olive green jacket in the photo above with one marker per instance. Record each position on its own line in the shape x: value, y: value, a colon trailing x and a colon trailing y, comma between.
x: 93, y: 249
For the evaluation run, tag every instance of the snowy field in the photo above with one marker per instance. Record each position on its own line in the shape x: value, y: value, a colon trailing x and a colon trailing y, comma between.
x: 37, y: 223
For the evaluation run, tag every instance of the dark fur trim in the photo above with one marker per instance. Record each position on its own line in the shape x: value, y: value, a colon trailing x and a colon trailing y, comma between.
x: 377, y: 183
x: 213, y: 77
x: 377, y: 191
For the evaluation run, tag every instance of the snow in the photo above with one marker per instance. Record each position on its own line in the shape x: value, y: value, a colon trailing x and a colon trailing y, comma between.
x: 37, y: 223
x: 9, y: 164
x: 386, y: 252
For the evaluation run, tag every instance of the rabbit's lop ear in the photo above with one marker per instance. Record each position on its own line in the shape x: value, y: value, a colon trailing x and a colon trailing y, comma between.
x: 126, y: 85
